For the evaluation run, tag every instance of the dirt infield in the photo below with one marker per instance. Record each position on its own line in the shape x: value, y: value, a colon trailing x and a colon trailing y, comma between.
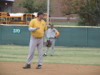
x: 15, y: 68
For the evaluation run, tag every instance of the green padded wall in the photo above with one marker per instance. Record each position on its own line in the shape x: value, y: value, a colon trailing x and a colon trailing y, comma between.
x: 69, y: 36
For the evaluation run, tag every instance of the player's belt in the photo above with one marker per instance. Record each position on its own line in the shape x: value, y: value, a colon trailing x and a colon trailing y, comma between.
x: 38, y: 37
x: 51, y: 38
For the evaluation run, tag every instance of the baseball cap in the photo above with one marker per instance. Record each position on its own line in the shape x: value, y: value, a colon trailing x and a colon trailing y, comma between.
x: 40, y: 13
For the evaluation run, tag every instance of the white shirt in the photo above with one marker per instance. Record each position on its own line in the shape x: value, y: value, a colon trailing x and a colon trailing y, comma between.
x: 31, y: 29
x: 51, y: 33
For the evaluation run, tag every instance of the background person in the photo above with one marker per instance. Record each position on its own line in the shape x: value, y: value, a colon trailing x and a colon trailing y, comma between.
x: 51, y: 34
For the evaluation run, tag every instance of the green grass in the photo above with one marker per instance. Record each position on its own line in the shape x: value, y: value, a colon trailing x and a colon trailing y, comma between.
x: 65, y: 23
x: 65, y: 55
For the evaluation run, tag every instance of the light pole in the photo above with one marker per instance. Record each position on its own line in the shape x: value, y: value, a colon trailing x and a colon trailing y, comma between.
x: 48, y: 11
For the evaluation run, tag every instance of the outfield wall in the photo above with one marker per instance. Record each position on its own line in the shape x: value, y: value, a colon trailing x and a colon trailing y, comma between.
x: 69, y: 36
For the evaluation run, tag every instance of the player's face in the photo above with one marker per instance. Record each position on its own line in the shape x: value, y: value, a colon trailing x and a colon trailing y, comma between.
x: 52, y: 26
x: 41, y: 16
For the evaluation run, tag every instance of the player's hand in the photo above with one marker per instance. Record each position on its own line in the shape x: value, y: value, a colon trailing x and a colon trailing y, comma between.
x: 55, y: 37
x: 54, y: 30
x: 37, y: 28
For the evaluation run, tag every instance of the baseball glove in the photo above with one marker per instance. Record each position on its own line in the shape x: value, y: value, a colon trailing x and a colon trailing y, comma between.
x: 48, y: 43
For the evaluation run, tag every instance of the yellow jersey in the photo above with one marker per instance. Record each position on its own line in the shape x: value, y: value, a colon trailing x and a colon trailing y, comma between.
x: 39, y: 33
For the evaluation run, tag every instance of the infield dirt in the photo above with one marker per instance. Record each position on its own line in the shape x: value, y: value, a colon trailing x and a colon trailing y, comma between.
x: 15, y: 68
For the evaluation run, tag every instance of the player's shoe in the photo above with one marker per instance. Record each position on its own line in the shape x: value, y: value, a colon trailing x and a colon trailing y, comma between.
x: 39, y: 67
x: 27, y: 66
x: 45, y: 54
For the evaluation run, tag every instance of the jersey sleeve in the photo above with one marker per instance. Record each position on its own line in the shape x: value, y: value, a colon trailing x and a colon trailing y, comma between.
x: 57, y: 33
x: 31, y: 24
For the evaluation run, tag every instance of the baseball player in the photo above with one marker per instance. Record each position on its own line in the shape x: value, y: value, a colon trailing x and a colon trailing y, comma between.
x: 51, y: 35
x: 37, y: 28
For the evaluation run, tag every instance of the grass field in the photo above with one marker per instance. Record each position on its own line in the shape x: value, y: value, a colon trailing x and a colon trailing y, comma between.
x: 65, y: 23
x: 66, y: 55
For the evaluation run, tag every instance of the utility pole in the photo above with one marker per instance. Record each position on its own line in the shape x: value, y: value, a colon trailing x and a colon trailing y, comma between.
x: 48, y: 11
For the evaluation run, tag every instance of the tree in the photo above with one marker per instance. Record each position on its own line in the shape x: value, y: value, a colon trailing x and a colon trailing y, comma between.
x: 35, y: 5
x: 88, y: 10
